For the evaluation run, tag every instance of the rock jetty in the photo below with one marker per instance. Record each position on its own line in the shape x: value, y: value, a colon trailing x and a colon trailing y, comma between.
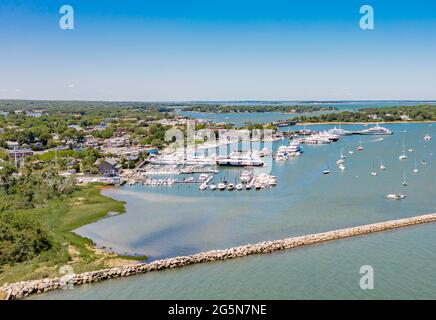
x: 23, y: 289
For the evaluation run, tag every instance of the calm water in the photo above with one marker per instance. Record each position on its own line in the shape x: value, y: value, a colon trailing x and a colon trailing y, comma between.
x: 404, y: 267
x: 163, y: 222
x: 240, y: 119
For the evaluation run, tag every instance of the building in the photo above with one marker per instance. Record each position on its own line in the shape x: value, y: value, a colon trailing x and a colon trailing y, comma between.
x: 91, y: 142
x: 109, y: 167
x: 12, y: 144
x: 117, y: 142
x: 19, y: 154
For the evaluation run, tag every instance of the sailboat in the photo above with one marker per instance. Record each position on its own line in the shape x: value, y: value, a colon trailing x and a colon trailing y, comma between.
x: 360, y: 147
x: 341, y: 167
x: 342, y: 153
x: 403, y: 155
x: 373, y: 172
x: 382, y: 166
x: 404, y: 179
x: 416, y: 168
x: 327, y: 170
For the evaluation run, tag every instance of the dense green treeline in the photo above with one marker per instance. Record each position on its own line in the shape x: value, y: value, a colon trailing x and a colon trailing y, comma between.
x: 401, y: 113
x: 219, y: 108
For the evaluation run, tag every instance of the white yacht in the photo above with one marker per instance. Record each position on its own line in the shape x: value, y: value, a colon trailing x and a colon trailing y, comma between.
x: 377, y: 130
x: 246, y: 176
x: 427, y: 137
x: 339, y: 131
x: 221, y: 186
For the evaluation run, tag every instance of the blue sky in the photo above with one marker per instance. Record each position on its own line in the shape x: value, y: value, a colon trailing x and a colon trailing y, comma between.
x: 218, y: 50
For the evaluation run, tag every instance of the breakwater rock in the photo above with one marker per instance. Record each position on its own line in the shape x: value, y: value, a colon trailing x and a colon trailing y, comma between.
x: 23, y: 289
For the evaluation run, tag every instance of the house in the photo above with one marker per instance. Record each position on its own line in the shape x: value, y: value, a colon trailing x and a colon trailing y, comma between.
x: 117, y: 142
x: 404, y: 117
x: 76, y: 127
x: 109, y: 167
x: 91, y: 142
x: 19, y: 154
x: 12, y: 144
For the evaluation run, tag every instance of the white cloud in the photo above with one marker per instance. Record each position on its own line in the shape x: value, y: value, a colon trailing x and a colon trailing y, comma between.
x: 71, y: 86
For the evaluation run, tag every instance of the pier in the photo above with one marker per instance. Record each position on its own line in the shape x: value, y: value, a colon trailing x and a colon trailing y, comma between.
x: 25, y: 288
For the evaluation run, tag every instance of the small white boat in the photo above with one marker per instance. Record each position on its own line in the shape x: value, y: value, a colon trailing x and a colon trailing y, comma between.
x: 373, y: 172
x: 382, y: 167
x: 403, y: 156
x: 351, y: 152
x: 427, y: 137
x: 396, y: 196
x: 342, y: 154
x: 326, y: 171
x: 212, y: 187
x: 203, y: 186
x: 341, y: 167
x: 415, y: 170
x: 239, y: 186
x: 221, y: 186
x: 360, y: 147
x: 230, y: 187
x: 424, y: 162
x: 340, y: 161
x: 404, y: 180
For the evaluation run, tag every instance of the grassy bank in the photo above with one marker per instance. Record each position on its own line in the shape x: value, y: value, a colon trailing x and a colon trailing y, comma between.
x: 60, y: 217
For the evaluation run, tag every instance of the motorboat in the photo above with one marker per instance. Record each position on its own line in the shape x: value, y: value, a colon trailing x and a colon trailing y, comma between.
x: 427, y: 137
x: 212, y: 187
x: 246, y: 176
x: 239, y: 186
x: 221, y: 186
x: 203, y: 186
x: 396, y: 196
x: 230, y: 187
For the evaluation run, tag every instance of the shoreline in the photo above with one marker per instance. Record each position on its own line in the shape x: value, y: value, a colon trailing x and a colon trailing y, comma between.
x: 363, y: 123
x: 23, y: 289
x: 86, y: 205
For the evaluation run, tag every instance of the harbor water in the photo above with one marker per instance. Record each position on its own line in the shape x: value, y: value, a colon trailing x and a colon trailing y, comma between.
x: 170, y: 221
